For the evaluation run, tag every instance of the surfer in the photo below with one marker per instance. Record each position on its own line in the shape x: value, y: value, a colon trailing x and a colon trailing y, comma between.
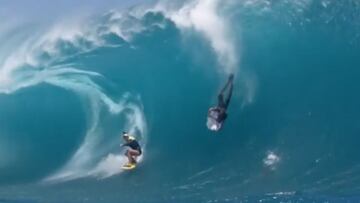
x: 134, y: 149
x: 217, y: 115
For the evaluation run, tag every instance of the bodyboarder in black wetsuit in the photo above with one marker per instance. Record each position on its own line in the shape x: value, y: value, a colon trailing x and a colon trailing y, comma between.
x: 217, y: 115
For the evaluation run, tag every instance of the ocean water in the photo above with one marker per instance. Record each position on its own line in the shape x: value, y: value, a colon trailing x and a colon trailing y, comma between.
x: 68, y: 90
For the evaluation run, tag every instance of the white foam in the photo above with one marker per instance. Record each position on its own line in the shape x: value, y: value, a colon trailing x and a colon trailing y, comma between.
x: 109, y: 166
x: 271, y: 160
x: 203, y: 16
x: 80, y: 164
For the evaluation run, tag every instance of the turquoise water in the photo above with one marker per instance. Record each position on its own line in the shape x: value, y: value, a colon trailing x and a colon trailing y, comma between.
x: 68, y: 90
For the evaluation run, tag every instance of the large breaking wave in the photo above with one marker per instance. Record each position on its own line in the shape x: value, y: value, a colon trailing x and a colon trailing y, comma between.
x: 155, y: 69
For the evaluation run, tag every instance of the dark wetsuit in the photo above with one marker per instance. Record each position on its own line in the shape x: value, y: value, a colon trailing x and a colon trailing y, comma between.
x: 133, y: 144
x: 217, y: 114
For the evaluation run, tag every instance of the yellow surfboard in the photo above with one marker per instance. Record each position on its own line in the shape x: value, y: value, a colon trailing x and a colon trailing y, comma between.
x: 128, y: 166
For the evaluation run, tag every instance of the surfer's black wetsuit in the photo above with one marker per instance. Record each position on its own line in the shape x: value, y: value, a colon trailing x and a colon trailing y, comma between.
x: 219, y: 112
x: 133, y: 144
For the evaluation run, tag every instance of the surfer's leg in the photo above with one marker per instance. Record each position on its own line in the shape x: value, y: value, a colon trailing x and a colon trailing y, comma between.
x: 228, y: 83
x: 227, y: 100
x: 132, y: 156
x: 221, y: 102
x: 128, y: 156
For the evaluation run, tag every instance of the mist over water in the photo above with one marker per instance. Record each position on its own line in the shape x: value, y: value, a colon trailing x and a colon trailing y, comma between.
x: 70, y: 87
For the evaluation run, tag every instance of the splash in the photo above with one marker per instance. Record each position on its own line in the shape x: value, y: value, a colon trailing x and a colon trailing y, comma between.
x: 204, y: 17
x: 271, y: 160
